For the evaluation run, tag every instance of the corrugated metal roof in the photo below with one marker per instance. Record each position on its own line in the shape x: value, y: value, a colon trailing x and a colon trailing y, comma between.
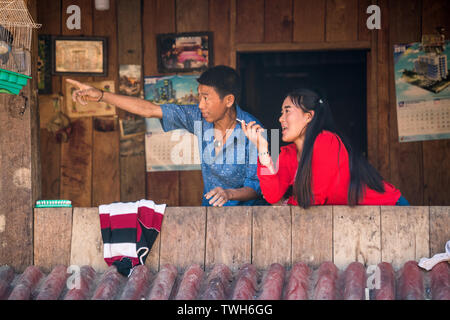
x: 299, y: 282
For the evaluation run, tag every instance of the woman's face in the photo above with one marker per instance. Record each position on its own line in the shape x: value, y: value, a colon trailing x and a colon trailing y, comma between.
x: 293, y: 121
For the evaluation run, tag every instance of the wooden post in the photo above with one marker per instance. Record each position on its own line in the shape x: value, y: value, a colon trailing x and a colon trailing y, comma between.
x: 19, y: 170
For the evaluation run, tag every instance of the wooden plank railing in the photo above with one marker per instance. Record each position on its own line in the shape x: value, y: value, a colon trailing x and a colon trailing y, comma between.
x: 257, y: 235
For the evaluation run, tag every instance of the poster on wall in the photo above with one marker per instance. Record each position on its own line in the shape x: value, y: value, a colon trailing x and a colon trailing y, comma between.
x: 130, y: 80
x: 422, y: 83
x: 76, y: 110
x: 177, y: 149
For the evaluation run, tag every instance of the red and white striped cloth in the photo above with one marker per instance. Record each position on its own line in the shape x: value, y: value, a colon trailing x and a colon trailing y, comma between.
x: 129, y: 231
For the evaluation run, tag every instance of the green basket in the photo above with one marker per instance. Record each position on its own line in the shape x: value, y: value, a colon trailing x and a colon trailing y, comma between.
x: 12, y: 82
x: 53, y: 204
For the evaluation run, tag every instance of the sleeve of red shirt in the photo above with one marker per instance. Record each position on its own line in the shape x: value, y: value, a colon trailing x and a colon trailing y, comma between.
x: 325, y: 165
x: 274, y: 186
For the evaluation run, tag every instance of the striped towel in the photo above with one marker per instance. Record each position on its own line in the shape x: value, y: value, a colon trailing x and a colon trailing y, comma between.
x: 129, y: 231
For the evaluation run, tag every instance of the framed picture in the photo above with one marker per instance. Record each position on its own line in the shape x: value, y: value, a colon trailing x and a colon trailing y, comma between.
x: 131, y: 127
x: 76, y: 110
x: 79, y: 56
x: 185, y: 52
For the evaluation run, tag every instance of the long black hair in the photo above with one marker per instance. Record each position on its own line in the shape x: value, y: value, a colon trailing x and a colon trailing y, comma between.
x: 361, y: 172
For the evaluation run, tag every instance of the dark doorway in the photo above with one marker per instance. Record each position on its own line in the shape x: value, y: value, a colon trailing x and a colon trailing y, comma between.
x: 339, y: 75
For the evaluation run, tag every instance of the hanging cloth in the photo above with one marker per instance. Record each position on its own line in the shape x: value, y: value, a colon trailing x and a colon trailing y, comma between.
x: 129, y: 231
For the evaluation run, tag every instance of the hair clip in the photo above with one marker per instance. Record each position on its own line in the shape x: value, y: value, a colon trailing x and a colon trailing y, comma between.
x: 320, y: 101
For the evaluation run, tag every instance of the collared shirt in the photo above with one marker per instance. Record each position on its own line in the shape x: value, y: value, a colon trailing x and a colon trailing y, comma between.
x: 234, y: 166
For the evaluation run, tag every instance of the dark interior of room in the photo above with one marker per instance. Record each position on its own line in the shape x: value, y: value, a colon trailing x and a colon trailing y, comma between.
x: 339, y: 75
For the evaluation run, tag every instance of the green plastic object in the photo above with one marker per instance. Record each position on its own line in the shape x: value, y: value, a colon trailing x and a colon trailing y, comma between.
x: 12, y: 82
x: 53, y: 204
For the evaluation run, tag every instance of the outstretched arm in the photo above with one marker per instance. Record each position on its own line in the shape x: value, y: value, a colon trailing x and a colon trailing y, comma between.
x: 141, y: 107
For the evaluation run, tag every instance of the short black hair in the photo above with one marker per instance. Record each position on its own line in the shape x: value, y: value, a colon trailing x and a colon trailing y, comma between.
x: 223, y: 79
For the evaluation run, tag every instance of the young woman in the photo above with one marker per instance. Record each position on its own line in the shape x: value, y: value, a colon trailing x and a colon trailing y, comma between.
x: 319, y: 166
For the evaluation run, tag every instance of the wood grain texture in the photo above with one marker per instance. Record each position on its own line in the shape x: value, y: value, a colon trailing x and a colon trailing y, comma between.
x: 383, y: 57
x: 405, y: 158
x: 278, y: 21
x: 364, y: 33
x: 158, y: 16
x: 404, y: 234
x: 439, y: 229
x: 129, y: 31
x: 228, y: 236
x: 87, y: 243
x: 191, y: 15
x: 50, y: 153
x: 356, y: 235
x: 191, y: 188
x: 52, y: 237
x: 436, y: 172
x: 105, y: 165
x: 271, y: 236
x: 341, y: 23
x: 76, y: 164
x: 436, y: 167
x: 219, y: 24
x: 249, y: 21
x: 312, y: 235
x: 164, y: 187
x: 102, y: 26
x: 309, y: 21
x: 183, y: 236
x: 16, y: 201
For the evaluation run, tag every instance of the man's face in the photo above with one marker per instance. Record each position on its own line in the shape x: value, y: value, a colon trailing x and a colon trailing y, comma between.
x: 211, y: 106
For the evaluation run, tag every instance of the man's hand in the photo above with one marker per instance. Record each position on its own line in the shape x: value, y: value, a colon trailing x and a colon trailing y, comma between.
x: 84, y: 93
x: 219, y: 196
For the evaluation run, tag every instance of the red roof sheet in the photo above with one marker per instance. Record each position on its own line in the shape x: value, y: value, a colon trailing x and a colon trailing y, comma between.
x: 300, y: 282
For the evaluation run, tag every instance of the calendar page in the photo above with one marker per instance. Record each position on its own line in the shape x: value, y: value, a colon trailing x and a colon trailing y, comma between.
x: 177, y: 149
x: 422, y: 84
x: 174, y: 150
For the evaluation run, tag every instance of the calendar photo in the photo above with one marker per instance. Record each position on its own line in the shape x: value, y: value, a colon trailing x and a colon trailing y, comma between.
x: 173, y: 150
x: 422, y: 84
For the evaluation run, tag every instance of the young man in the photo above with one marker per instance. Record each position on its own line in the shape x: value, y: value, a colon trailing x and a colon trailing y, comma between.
x: 228, y: 159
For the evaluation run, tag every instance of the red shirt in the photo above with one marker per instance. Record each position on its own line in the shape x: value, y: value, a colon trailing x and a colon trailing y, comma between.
x: 330, y: 175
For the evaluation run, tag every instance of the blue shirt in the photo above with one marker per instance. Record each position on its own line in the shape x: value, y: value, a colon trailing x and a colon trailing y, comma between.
x: 236, y: 164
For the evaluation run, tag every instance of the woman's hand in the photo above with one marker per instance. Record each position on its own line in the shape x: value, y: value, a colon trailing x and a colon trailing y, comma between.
x: 219, y: 196
x: 254, y: 132
x: 84, y: 93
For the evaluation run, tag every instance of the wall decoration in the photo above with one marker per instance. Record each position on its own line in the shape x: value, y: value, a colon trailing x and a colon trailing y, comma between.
x: 131, y: 127
x: 184, y: 52
x: 130, y: 82
x: 79, y: 56
x: 173, y: 150
x: 44, y: 64
x: 76, y: 110
x: 422, y: 83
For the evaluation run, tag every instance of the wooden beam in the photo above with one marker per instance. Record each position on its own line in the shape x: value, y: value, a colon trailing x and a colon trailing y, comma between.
x: 86, y: 246
x: 183, y: 236
x: 404, y: 234
x: 228, y: 236
x: 302, y: 46
x: 356, y: 235
x: 271, y: 236
x: 309, y: 21
x: 52, y: 237
x: 312, y: 235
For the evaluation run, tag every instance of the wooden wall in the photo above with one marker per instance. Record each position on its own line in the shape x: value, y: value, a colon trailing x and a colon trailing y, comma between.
x: 89, y: 169
x: 258, y: 235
